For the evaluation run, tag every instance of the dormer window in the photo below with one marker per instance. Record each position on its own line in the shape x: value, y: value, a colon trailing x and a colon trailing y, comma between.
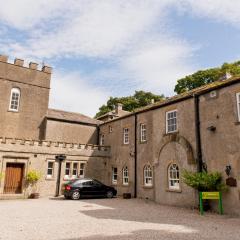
x: 14, y: 100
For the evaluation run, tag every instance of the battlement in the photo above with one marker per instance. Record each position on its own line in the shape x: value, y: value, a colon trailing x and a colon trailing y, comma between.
x: 52, y: 147
x: 20, y: 63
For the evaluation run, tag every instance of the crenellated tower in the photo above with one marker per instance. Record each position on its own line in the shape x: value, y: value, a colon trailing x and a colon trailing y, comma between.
x: 24, y: 98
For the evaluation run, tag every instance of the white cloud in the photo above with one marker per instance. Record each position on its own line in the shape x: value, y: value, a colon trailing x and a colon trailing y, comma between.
x: 157, y: 64
x: 71, y: 92
x: 222, y: 11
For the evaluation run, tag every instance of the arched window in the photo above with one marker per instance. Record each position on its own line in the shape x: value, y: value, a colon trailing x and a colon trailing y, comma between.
x: 125, y: 176
x: 14, y: 99
x: 173, y: 176
x: 148, y: 175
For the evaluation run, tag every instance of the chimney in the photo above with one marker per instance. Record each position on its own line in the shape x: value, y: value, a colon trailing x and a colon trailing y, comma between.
x: 18, y: 62
x: 226, y: 76
x: 152, y: 101
x: 118, y: 108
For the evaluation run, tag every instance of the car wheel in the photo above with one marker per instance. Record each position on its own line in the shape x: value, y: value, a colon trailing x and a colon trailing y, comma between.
x: 109, y: 194
x: 75, y: 195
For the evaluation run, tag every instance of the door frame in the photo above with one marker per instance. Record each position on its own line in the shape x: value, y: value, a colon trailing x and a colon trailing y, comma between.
x: 14, y: 159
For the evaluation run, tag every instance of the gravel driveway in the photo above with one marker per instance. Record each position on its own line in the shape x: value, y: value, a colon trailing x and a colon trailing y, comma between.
x: 107, y: 219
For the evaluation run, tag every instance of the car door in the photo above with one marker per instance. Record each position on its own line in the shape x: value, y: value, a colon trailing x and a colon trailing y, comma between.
x: 99, y: 188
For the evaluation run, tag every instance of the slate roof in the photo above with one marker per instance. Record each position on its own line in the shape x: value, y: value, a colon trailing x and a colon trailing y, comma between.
x: 55, y: 114
x: 180, y: 97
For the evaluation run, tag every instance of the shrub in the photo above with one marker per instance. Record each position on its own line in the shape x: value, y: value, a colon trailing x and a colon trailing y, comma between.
x: 33, y: 176
x: 203, y: 181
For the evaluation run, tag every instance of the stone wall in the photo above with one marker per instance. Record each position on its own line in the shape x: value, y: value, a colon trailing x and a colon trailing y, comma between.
x: 36, y: 154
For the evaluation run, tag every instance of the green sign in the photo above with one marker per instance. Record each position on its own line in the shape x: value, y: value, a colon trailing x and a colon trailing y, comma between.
x: 211, y: 196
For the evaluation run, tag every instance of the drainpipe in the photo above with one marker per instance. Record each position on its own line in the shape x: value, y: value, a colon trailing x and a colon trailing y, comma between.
x: 135, y: 156
x: 60, y: 159
x: 198, y: 134
x: 98, y: 134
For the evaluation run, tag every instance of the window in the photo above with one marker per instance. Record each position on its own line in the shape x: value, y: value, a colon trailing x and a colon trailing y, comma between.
x: 171, y: 121
x: 67, y: 170
x: 50, y: 166
x: 143, y: 132
x: 110, y: 129
x: 74, y: 170
x: 125, y: 176
x: 173, y: 176
x: 238, y: 105
x: 125, y: 136
x: 82, y: 170
x: 14, y: 99
x: 102, y: 139
x: 114, y: 175
x: 148, y: 176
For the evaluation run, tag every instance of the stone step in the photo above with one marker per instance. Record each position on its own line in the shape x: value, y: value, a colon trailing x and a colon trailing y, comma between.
x: 12, y: 196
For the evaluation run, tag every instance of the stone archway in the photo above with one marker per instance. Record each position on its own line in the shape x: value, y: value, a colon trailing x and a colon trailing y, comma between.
x: 180, y: 140
x: 173, y: 148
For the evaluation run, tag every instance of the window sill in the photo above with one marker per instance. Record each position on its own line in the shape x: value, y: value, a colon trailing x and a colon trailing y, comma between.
x: 125, y: 185
x: 114, y: 183
x: 174, y: 190
x: 13, y: 111
x: 171, y: 133
x: 147, y: 187
x: 143, y: 142
x: 50, y: 179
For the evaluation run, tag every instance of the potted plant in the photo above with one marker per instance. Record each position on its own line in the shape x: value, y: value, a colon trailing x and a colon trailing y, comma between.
x: 32, y: 178
x: 204, y: 182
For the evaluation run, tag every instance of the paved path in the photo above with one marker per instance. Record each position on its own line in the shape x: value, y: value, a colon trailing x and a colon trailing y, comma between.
x: 105, y: 219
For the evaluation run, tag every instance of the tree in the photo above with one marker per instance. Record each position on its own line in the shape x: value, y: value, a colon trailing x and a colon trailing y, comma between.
x: 139, y: 99
x: 203, y: 77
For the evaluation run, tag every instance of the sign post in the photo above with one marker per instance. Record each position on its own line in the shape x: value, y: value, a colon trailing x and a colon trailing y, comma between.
x: 211, y: 196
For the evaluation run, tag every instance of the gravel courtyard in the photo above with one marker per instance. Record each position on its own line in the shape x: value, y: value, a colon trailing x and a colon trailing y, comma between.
x: 109, y: 219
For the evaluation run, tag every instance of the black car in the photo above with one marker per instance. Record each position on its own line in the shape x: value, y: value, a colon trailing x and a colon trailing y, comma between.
x: 87, y: 187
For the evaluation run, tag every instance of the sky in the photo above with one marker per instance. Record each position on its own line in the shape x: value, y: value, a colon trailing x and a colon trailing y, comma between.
x: 103, y: 48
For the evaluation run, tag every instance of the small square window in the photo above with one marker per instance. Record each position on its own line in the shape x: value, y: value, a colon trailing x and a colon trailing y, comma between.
x: 110, y: 129
x: 50, y: 169
x: 114, y: 175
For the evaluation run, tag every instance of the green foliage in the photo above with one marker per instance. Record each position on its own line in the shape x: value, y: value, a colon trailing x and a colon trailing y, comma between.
x: 1, y: 176
x: 33, y: 176
x: 203, y: 77
x: 204, y: 181
x: 139, y: 99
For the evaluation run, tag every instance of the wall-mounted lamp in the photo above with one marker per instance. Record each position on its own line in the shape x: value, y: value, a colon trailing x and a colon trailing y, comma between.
x: 228, y: 170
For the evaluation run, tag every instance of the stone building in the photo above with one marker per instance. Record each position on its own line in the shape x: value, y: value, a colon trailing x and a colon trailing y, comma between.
x: 142, y: 153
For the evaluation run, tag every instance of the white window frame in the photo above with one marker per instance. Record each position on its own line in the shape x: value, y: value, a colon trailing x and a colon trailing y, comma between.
x: 238, y: 105
x: 73, y: 176
x: 82, y: 169
x: 110, y: 129
x: 49, y: 176
x: 173, y: 177
x: 148, y: 175
x: 143, y: 132
x: 69, y: 169
x: 102, y: 139
x: 125, y: 174
x: 125, y: 135
x: 114, y: 175
x: 14, y: 102
x: 167, y: 119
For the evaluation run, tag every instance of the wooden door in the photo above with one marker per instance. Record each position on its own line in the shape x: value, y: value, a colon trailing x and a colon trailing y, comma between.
x: 13, y: 178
